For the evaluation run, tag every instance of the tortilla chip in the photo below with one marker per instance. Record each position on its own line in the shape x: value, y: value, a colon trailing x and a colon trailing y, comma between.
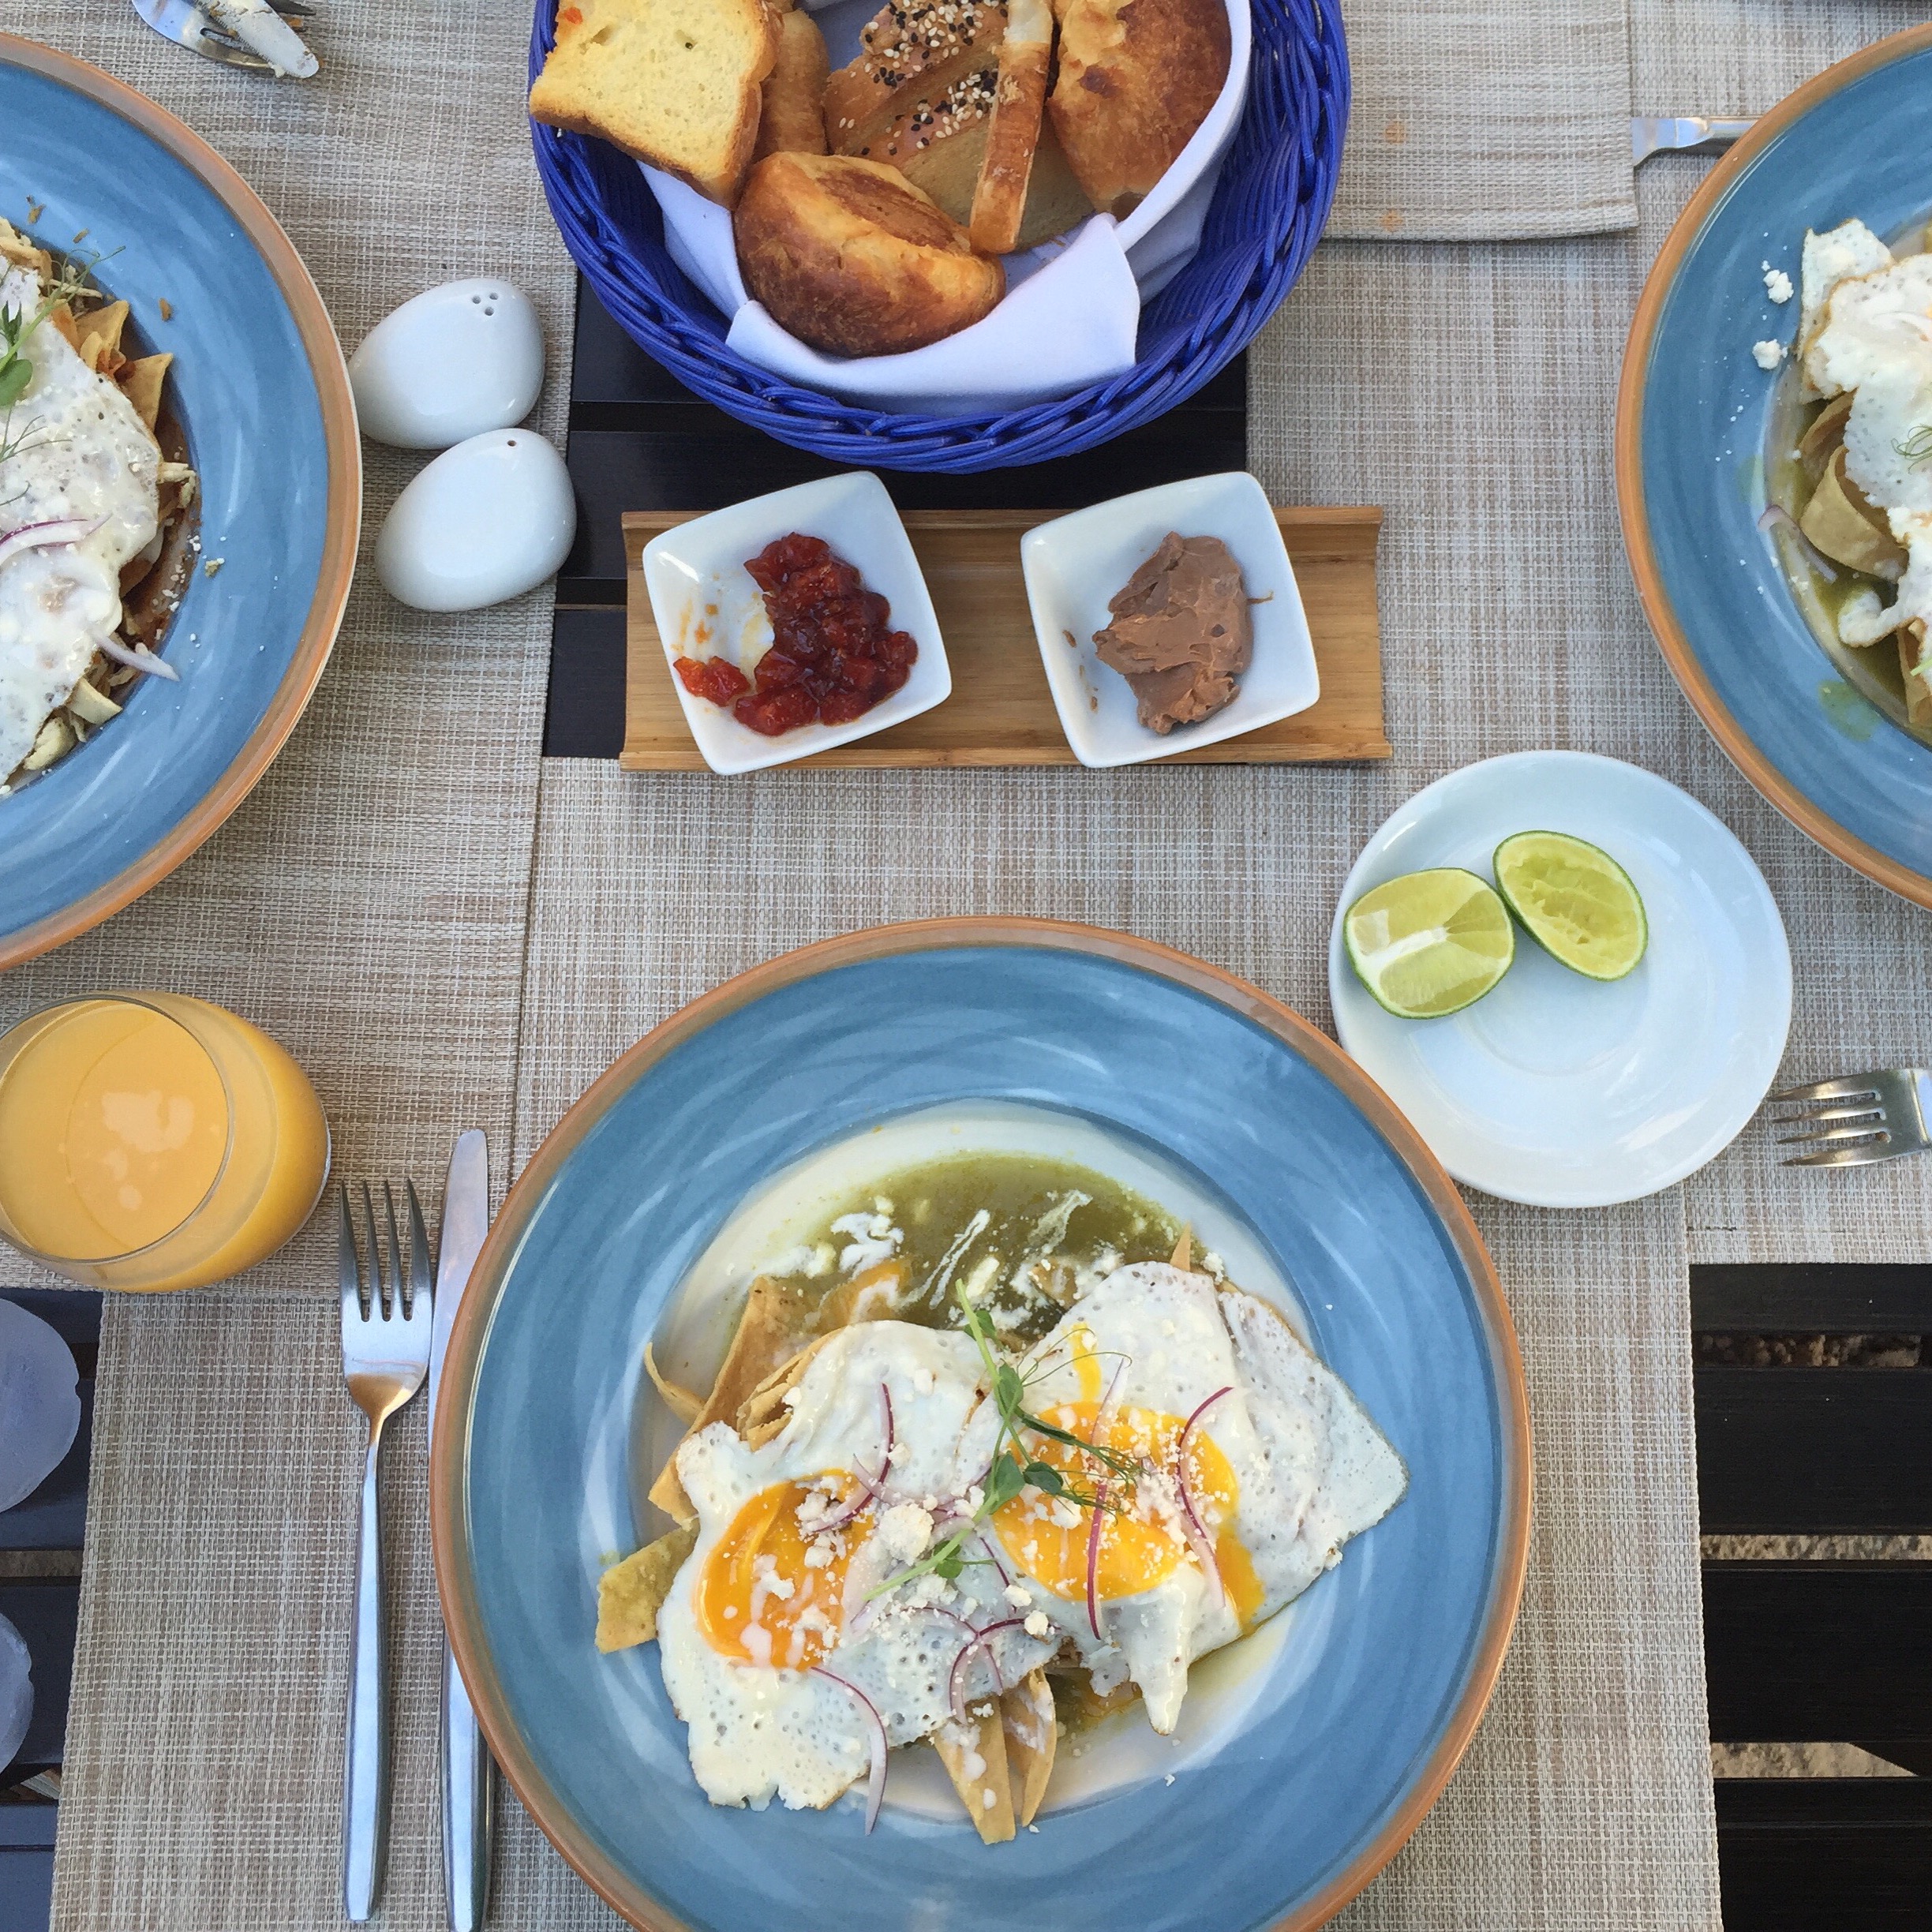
x: 1184, y: 1250
x: 140, y: 383
x: 680, y: 1401
x: 764, y: 1414
x: 1826, y: 434
x: 777, y: 1320
x: 1841, y: 521
x: 100, y: 337
x: 874, y: 1295
x: 631, y: 1593
x: 1911, y: 642
x: 62, y: 317
x: 1032, y: 1728
x: 1086, y: 1707
x: 975, y: 1761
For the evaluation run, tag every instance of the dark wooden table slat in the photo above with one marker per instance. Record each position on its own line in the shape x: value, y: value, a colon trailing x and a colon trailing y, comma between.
x: 1812, y: 1299
x: 1825, y: 1855
x: 1814, y: 1450
x: 1804, y: 1651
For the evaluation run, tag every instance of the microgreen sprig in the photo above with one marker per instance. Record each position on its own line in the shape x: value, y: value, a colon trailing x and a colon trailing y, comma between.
x: 72, y: 282
x: 1917, y: 447
x: 1014, y: 1467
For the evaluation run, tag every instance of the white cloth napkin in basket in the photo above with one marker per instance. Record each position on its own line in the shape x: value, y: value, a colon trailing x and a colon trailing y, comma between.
x: 1073, y: 306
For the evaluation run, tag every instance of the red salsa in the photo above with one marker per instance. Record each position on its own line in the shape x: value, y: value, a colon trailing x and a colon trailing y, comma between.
x: 833, y: 656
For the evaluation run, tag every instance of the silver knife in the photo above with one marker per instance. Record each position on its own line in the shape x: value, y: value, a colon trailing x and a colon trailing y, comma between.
x: 469, y: 1778
x: 1683, y: 133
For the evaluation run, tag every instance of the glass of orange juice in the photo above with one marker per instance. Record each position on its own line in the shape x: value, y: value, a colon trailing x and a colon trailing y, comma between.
x: 148, y: 1140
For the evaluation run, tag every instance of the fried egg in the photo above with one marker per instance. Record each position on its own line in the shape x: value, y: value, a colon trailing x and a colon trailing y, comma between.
x: 77, y: 454
x: 1192, y: 1468
x: 1873, y: 336
x: 1253, y: 1465
x: 777, y: 1653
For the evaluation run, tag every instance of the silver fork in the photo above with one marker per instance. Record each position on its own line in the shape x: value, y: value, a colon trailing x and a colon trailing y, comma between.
x: 386, y: 1324
x: 1860, y: 1118
x: 187, y: 25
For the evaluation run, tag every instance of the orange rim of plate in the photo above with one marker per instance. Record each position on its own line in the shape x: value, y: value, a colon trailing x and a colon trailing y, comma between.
x: 449, y: 1449
x: 1634, y: 512
x: 342, y: 519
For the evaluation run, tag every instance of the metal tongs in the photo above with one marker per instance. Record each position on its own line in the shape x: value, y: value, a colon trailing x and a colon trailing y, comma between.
x: 260, y: 34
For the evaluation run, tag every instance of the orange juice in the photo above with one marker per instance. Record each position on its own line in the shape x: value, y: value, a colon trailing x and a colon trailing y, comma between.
x: 151, y: 1141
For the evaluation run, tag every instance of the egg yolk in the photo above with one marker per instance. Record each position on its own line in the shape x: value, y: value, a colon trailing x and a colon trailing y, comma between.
x: 771, y: 1595
x: 1141, y: 1539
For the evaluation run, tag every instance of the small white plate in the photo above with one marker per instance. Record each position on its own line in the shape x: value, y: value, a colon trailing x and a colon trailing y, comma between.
x: 707, y: 605
x: 1554, y: 1089
x: 1074, y: 564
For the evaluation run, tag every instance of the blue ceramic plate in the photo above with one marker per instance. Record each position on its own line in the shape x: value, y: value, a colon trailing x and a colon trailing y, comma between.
x: 259, y: 387
x: 1693, y: 417
x: 1343, y: 1734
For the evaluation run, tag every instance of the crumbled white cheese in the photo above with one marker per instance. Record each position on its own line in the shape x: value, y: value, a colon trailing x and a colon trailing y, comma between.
x: 904, y: 1532
x: 1777, y: 284
x: 1767, y: 355
x: 1019, y: 1596
x: 923, y: 1381
x: 1038, y: 1623
x: 1171, y: 1777
x: 986, y: 1799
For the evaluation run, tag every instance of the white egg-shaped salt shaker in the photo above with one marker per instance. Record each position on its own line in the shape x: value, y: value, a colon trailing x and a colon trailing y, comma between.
x: 487, y: 520
x: 448, y: 364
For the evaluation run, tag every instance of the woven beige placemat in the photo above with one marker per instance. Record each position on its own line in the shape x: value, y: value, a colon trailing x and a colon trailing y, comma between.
x: 1861, y: 957
x: 366, y: 905
x: 1486, y: 120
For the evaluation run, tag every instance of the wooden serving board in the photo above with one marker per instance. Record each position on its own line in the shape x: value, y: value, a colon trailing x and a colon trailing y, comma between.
x: 1001, y: 712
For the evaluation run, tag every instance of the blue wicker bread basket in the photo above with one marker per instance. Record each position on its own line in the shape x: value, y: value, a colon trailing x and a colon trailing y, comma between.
x: 1267, y: 211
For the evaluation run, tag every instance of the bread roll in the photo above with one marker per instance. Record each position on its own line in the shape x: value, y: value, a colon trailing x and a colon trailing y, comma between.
x: 675, y: 83
x: 1137, y: 78
x: 793, y: 120
x: 850, y: 257
x: 1012, y: 127
x: 911, y: 53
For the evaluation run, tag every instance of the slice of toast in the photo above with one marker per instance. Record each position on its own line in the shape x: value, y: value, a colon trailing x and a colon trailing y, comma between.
x: 676, y: 83
x: 1013, y: 128
x: 793, y: 120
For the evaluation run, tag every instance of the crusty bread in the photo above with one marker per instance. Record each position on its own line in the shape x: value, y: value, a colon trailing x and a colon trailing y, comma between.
x: 910, y: 52
x: 675, y: 83
x: 1013, y: 128
x: 1137, y: 78
x: 792, y: 122
x: 944, y: 155
x: 850, y: 257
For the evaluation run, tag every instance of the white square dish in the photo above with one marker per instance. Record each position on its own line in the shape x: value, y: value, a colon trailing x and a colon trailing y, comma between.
x: 707, y: 605
x: 1074, y: 564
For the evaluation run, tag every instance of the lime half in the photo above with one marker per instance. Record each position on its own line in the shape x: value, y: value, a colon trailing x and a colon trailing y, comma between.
x: 1574, y: 901
x: 1429, y: 943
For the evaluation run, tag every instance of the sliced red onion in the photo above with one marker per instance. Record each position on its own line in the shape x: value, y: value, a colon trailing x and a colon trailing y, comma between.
x: 955, y: 1690
x: 1093, y: 1558
x: 136, y: 655
x: 875, y: 1784
x: 1777, y: 517
x: 43, y: 536
x: 1199, y: 1540
x: 985, y: 1543
x: 870, y: 1485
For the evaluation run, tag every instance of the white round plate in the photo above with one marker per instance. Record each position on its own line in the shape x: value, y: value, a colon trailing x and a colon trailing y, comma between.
x: 1554, y: 1089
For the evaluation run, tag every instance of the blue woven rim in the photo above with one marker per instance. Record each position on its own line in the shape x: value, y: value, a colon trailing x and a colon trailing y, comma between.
x: 1268, y: 213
